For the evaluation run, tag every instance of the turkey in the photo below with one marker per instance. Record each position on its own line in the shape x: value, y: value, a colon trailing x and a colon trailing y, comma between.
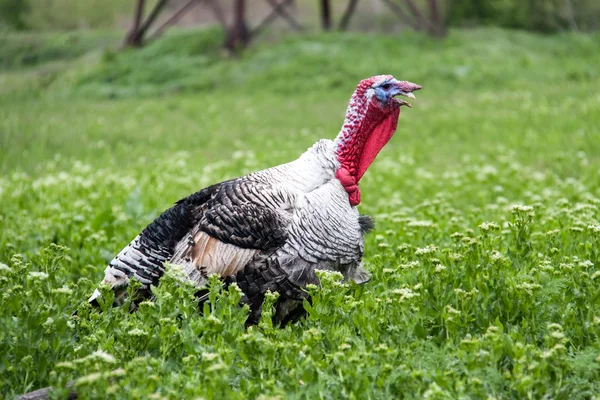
x: 271, y: 229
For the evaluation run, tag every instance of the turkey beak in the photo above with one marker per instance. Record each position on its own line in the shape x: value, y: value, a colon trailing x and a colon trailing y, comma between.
x: 406, y: 94
x: 405, y: 103
x: 405, y: 89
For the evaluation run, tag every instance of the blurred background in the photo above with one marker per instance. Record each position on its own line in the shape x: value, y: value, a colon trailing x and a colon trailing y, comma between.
x: 101, y: 80
x: 433, y: 16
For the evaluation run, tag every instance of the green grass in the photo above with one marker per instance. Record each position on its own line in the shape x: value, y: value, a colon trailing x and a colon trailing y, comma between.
x: 471, y: 296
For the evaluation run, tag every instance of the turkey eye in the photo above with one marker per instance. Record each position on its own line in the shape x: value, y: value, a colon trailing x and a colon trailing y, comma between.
x: 387, y: 86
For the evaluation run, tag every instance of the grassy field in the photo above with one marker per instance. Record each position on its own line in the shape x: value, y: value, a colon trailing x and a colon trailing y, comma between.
x: 485, y: 257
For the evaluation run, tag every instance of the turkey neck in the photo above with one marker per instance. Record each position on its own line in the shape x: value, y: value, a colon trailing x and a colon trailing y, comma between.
x: 365, y: 132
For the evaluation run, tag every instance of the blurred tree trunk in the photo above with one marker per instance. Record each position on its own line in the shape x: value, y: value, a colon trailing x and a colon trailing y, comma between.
x: 433, y: 20
x: 174, y: 18
x: 238, y: 35
x: 420, y: 21
x: 132, y: 39
x: 350, y: 8
x: 402, y: 15
x: 279, y: 9
x: 326, y: 14
x: 135, y: 36
x: 437, y: 22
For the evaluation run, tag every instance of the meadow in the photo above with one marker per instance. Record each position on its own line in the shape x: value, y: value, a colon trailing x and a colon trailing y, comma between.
x: 486, y: 252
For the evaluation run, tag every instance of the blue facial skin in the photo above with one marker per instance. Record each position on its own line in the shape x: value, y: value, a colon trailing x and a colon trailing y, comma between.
x: 386, y: 91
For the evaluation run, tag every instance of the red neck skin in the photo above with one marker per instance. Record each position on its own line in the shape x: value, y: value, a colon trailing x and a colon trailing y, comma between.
x: 366, y: 130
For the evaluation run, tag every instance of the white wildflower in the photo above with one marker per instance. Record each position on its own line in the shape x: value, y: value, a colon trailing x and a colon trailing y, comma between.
x: 91, y: 378
x: 528, y: 287
x: 558, y: 347
x: 421, y: 224
x: 42, y: 276
x: 405, y: 293
x: 501, y: 200
x: 381, y: 347
x: 452, y: 310
x: 440, y: 268
x: 426, y: 250
x: 176, y: 271
x: 555, y: 326
x: 489, y: 226
x: 210, y: 356
x: 98, y: 355
x: 409, y: 265
x: 216, y: 367
x: 137, y: 332
x: 63, y: 290
x: 215, y: 320
x: 434, y: 391
x: 491, y: 330
x: 456, y: 256
x: 594, y: 228
x: 547, y: 354
x: 147, y: 303
x: 566, y: 266
x: 557, y: 335
x: 66, y: 364
x: 516, y: 209
x: 483, y: 353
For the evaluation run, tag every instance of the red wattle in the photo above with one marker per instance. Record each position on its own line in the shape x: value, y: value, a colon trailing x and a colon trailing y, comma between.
x: 354, y: 198
x: 349, y: 183
x: 345, y: 177
x: 377, y: 139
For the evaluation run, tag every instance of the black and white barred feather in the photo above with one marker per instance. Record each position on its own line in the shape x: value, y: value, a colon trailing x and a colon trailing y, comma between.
x: 269, y: 230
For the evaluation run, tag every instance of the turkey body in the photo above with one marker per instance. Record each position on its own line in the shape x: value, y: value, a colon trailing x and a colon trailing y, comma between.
x: 269, y: 230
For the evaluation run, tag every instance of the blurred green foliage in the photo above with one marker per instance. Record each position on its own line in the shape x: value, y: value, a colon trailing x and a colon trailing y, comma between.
x: 536, y: 15
x: 75, y: 14
x: 192, y: 62
x: 60, y: 15
x: 12, y: 13
x: 24, y: 49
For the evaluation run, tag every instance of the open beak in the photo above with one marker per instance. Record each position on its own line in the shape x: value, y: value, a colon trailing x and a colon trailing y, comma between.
x: 406, y: 89
x: 405, y: 103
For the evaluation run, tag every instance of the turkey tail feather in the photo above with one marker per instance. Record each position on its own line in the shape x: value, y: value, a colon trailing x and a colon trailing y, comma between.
x: 143, y: 258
